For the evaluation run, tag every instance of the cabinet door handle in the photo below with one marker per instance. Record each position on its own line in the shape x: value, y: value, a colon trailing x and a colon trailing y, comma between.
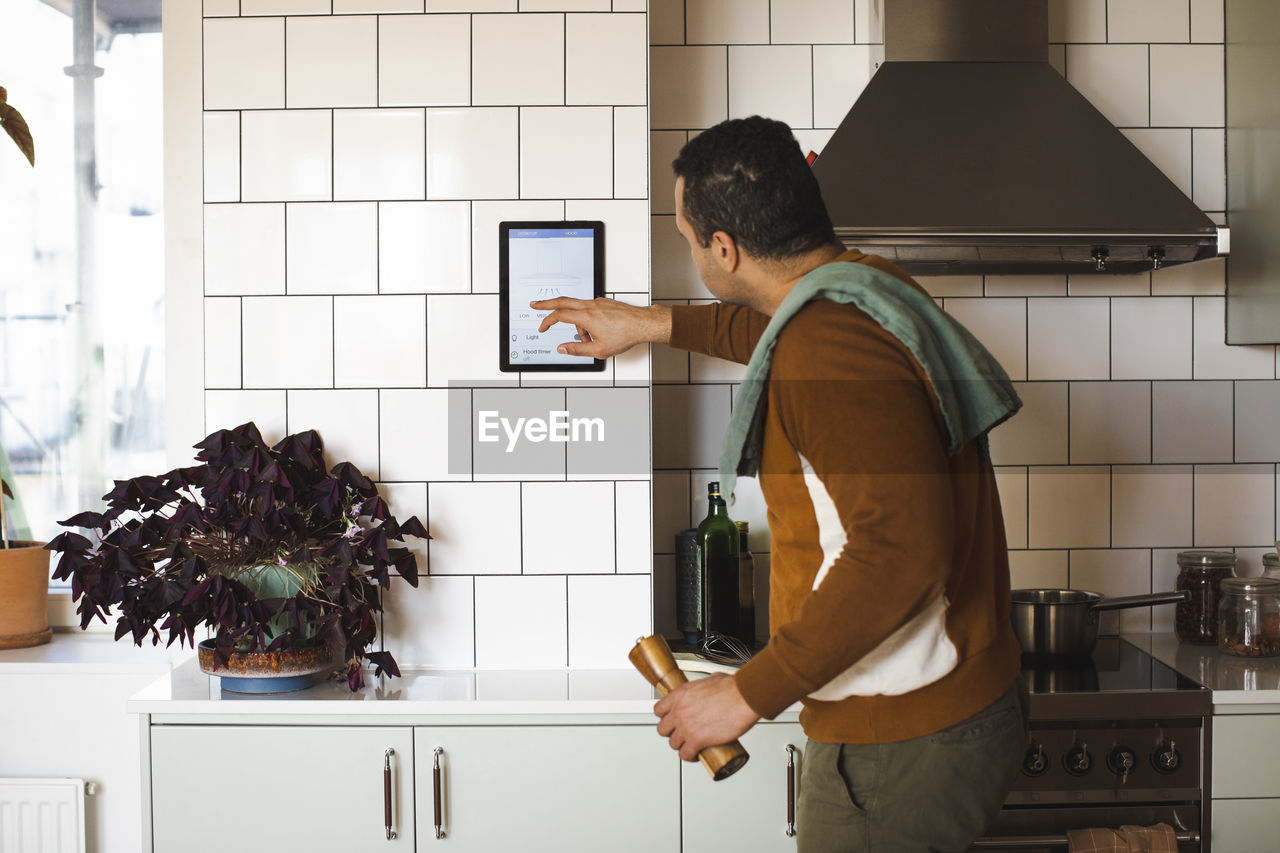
x: 436, y: 785
x: 791, y: 791
x: 386, y: 792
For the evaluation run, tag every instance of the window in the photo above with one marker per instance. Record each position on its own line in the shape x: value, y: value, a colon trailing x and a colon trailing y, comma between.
x: 81, y: 258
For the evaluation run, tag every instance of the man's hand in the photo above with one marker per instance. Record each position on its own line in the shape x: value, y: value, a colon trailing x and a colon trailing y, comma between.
x: 707, y: 712
x: 606, y: 326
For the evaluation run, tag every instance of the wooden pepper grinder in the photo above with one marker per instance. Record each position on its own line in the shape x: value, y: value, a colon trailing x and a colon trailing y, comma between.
x: 652, y: 656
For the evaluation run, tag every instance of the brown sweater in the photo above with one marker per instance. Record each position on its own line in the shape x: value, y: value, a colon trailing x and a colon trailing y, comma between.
x: 889, y: 578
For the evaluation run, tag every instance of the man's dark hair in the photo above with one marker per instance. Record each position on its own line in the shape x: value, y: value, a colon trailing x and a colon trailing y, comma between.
x: 748, y: 178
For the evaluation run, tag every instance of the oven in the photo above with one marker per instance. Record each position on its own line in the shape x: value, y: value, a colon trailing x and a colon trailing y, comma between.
x: 1117, y: 740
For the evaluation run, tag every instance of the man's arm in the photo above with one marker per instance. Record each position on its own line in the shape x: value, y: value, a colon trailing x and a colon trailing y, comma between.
x: 720, y: 330
x: 609, y: 327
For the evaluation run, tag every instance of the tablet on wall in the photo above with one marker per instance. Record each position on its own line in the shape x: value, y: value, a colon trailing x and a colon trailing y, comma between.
x: 544, y: 260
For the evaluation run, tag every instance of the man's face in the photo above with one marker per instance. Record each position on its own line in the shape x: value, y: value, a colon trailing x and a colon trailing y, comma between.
x: 719, y: 282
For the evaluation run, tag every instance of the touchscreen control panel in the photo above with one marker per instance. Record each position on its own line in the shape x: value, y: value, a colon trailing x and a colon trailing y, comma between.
x: 545, y: 260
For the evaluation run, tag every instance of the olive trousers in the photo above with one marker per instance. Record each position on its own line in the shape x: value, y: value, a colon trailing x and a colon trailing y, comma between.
x: 932, y: 793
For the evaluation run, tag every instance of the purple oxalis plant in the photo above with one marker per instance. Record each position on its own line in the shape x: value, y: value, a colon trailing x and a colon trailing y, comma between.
x: 172, y: 551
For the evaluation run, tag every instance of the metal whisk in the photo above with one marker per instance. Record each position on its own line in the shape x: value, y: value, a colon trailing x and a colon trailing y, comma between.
x: 723, y: 648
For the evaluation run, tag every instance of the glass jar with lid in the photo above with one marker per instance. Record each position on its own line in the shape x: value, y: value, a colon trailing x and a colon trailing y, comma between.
x: 1271, y: 565
x: 1249, y: 617
x: 1201, y: 573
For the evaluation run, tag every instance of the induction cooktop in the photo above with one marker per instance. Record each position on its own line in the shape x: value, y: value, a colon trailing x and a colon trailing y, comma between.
x: 1119, y: 680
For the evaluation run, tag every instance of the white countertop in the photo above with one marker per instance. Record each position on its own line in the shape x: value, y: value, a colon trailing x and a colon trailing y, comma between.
x: 428, y: 692
x: 186, y: 690
x: 1234, y: 680
x: 76, y: 652
x: 436, y: 693
x: 578, y: 693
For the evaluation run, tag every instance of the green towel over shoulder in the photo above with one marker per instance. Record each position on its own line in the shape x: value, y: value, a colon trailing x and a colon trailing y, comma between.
x: 972, y: 389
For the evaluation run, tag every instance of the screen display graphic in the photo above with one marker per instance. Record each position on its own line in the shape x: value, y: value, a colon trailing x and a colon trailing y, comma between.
x: 545, y: 260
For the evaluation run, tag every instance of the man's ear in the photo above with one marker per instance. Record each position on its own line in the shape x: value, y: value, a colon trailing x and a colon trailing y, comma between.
x: 725, y: 250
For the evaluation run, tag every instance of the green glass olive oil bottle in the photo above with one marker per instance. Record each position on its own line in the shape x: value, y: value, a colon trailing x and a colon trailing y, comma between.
x: 718, y: 553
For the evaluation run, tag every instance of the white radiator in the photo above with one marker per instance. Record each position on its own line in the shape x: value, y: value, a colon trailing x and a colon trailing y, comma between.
x: 42, y: 816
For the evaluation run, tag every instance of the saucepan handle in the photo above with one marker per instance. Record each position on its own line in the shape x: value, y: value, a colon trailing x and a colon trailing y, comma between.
x: 1124, y: 601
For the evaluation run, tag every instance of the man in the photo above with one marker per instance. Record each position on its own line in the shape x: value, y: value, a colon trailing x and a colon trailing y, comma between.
x: 889, y: 586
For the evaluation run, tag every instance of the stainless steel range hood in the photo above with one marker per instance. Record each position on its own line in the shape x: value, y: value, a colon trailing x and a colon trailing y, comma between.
x: 968, y: 153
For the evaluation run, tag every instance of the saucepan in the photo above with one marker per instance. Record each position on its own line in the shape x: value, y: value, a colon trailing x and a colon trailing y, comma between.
x: 1063, y: 623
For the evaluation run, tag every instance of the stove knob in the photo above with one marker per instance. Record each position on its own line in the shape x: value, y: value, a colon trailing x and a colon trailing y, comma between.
x: 1078, y: 761
x: 1035, y: 763
x: 1166, y: 757
x: 1121, y: 760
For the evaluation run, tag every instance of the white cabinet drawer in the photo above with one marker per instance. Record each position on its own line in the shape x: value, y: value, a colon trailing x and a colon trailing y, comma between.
x: 747, y: 811
x: 1245, y: 826
x: 548, y: 788
x: 264, y: 789
x: 1246, y: 756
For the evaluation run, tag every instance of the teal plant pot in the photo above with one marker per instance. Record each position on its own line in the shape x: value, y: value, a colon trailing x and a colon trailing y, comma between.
x: 272, y: 581
x: 272, y: 672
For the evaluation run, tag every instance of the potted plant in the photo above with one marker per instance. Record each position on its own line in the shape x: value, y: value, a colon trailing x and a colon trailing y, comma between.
x: 24, y: 584
x: 24, y: 567
x: 283, y: 560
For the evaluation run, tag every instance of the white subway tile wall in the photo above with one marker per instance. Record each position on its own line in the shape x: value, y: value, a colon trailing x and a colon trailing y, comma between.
x: 424, y: 60
x: 631, y: 152
x: 605, y: 59
x: 244, y: 249
x: 348, y: 421
x: 522, y: 622
x: 287, y: 341
x: 222, y: 343
x: 727, y: 21
x: 424, y: 247
x: 772, y: 80
x: 358, y: 156
x: 1142, y: 431
x: 286, y: 155
x: 244, y: 63
x: 472, y: 153
x: 606, y: 615
x: 330, y: 247
x: 1093, y: 510
x: 221, y: 156
x: 378, y: 154
x: 566, y: 151
x: 266, y: 408
x: 314, y: 79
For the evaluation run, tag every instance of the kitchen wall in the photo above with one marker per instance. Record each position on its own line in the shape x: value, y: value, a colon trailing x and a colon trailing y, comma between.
x: 1142, y: 433
x: 355, y: 158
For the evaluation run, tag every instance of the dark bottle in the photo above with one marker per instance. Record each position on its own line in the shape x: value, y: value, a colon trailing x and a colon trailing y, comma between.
x: 689, y: 609
x: 746, y: 589
x: 718, y: 553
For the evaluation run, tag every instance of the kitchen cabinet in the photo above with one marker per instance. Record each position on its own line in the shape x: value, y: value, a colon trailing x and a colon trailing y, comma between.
x: 273, y: 788
x: 747, y: 811
x: 547, y: 788
x: 524, y: 768
x: 502, y: 787
x: 1245, y: 779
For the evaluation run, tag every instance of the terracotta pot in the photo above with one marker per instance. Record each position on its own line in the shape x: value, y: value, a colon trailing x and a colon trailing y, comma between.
x: 24, y: 595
